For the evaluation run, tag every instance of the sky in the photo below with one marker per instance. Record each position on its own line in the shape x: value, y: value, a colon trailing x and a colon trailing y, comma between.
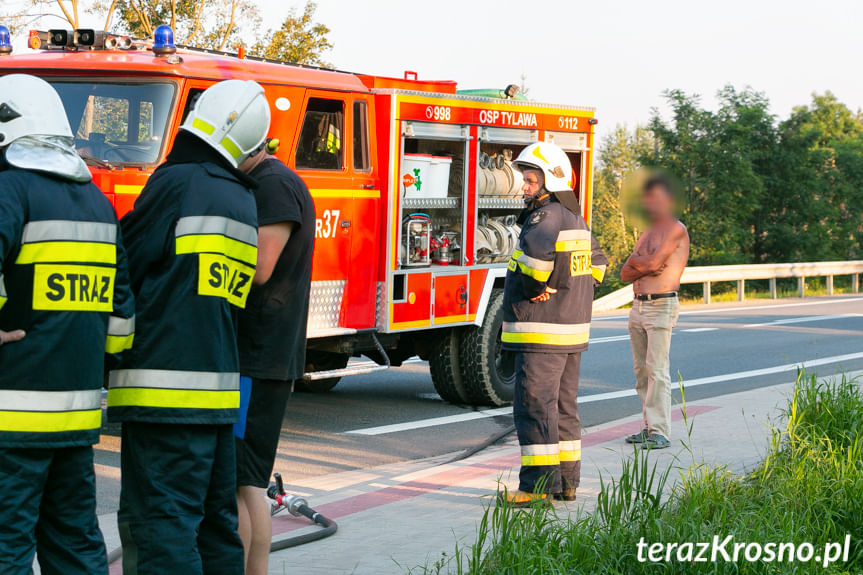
x: 617, y: 56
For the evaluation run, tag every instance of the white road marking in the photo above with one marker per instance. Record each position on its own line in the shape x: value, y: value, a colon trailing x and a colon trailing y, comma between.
x: 745, y: 308
x: 804, y: 319
x: 609, y: 339
x: 445, y: 420
x: 700, y: 329
x: 484, y: 413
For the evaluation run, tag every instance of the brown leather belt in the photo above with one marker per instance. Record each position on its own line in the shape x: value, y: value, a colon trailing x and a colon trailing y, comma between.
x: 653, y: 296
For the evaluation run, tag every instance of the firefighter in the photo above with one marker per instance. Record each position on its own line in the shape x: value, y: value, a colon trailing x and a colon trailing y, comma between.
x: 64, y: 301
x: 548, y: 297
x: 192, y: 245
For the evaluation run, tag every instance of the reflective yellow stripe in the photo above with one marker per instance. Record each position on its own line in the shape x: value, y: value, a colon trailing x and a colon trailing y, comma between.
x: 48, y: 422
x: 205, y: 127
x: 548, y: 459
x: 538, y: 275
x: 231, y: 147
x: 573, y: 455
x: 572, y: 245
x: 540, y: 270
x: 67, y: 252
x: 217, y: 244
x: 119, y: 343
x: 3, y: 295
x: 598, y: 273
x: 121, y: 334
x: 173, y: 398
x: 570, y: 450
x: 545, y: 338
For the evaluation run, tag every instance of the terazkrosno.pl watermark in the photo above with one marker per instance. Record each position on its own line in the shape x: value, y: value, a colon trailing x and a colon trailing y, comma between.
x: 729, y: 551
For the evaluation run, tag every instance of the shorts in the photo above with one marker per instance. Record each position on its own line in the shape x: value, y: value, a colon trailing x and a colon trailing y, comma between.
x: 256, y: 435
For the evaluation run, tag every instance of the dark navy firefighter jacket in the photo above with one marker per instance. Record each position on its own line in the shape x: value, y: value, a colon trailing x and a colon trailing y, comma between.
x: 192, y: 245
x: 64, y: 280
x: 555, y: 249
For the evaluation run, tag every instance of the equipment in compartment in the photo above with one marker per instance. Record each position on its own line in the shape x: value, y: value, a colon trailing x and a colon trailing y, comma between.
x: 425, y: 175
x: 445, y: 248
x: 417, y: 240
x: 496, y: 239
x: 497, y: 176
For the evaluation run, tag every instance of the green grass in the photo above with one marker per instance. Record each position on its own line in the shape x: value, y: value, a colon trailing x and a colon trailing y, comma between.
x: 809, y: 488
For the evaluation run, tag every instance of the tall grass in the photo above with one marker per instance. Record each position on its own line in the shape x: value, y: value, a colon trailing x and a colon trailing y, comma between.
x: 809, y: 488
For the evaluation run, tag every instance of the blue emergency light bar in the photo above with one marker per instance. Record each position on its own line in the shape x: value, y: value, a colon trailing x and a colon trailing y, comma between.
x: 5, y: 41
x: 163, y: 41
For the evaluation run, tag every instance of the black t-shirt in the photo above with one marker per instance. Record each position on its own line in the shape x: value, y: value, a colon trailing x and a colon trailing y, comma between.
x: 272, y: 327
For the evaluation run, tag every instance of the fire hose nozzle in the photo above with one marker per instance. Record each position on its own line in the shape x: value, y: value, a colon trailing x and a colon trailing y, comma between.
x: 294, y: 503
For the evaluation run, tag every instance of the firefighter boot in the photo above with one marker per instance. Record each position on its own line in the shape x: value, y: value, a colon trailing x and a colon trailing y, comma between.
x: 521, y: 499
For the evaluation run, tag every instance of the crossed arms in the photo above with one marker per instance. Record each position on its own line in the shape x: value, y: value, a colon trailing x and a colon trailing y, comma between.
x: 639, y: 265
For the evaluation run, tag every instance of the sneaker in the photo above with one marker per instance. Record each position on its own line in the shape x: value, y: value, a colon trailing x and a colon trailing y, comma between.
x: 655, y: 441
x: 565, y: 495
x: 639, y: 437
x: 521, y: 499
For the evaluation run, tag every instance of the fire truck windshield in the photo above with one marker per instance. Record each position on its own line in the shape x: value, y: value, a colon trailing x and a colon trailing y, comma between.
x: 117, y: 123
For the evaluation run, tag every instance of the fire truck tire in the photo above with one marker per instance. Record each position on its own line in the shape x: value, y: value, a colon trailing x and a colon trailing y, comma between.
x: 488, y: 374
x: 444, y: 367
x: 321, y: 361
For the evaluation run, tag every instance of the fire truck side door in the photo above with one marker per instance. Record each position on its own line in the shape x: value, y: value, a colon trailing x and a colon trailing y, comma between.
x: 361, y: 289
x: 319, y: 156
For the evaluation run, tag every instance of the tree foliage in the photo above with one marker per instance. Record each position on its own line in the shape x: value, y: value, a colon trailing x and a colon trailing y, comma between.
x: 300, y: 40
x: 211, y: 24
x: 755, y: 189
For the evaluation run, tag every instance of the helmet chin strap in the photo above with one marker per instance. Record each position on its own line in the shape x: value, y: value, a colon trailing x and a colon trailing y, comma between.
x: 534, y: 201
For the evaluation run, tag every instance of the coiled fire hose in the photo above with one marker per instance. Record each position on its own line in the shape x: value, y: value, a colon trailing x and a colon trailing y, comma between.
x: 293, y: 504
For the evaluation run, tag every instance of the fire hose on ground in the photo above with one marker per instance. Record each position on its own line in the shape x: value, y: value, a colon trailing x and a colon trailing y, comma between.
x: 293, y: 504
x: 298, y: 507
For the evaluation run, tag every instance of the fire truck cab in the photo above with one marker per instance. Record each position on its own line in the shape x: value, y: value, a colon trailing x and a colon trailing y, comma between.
x: 415, y: 195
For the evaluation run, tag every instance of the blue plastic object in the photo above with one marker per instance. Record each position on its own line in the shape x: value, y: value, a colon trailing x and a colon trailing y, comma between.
x: 5, y: 40
x: 163, y: 40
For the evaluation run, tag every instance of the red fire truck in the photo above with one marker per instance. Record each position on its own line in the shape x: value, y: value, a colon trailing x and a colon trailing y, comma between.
x: 414, y: 189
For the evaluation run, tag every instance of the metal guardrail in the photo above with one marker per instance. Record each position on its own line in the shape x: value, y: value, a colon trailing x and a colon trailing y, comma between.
x: 707, y: 275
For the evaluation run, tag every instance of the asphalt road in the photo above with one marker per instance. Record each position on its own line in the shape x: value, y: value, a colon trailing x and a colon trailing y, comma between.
x: 396, y: 415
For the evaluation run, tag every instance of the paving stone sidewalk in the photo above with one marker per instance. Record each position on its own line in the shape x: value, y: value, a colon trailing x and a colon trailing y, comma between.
x: 397, y: 517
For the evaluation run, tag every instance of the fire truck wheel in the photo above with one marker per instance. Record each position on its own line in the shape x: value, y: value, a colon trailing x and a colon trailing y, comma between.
x: 444, y: 367
x: 321, y: 361
x: 487, y: 372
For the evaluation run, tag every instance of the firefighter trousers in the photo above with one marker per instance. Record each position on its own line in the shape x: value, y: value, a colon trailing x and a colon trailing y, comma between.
x: 178, y: 505
x: 49, y: 509
x: 545, y: 409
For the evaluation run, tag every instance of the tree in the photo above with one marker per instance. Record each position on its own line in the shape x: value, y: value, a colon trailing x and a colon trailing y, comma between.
x: 722, y: 160
x: 620, y: 158
x: 300, y: 40
x: 67, y: 10
x: 213, y: 24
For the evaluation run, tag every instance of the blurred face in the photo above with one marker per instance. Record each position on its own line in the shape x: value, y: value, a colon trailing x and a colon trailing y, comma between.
x: 657, y: 202
x: 534, y: 180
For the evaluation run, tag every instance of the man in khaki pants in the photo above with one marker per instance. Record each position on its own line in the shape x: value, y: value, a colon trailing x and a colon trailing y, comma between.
x: 655, y: 267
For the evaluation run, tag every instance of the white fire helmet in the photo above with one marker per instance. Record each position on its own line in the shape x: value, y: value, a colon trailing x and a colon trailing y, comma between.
x: 233, y: 117
x: 29, y: 106
x: 552, y: 161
